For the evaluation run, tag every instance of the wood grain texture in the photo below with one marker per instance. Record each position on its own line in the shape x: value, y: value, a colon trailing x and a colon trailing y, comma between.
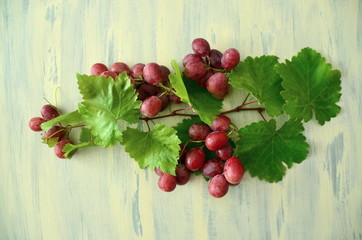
x: 101, y: 193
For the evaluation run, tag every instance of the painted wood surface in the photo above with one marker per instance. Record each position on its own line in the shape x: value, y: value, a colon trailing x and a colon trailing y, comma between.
x: 101, y: 193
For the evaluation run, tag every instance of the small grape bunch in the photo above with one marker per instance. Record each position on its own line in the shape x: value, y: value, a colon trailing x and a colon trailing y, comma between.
x: 209, y: 67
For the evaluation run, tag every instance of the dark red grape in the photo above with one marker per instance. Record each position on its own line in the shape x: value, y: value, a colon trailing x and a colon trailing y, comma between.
x: 120, y: 67
x: 233, y: 170
x: 152, y: 73
x: 158, y: 171
x: 195, y: 70
x: 167, y: 182
x: 221, y: 123
x: 49, y: 112
x: 230, y: 59
x: 199, y: 131
x: 182, y: 174
x: 165, y: 72
x: 165, y: 101
x: 137, y: 70
x: 216, y: 140
x: 147, y: 90
x: 200, y: 47
x: 35, y: 123
x: 58, y: 149
x: 174, y: 99
x: 182, y: 153
x: 211, y: 168
x: 195, y: 158
x: 151, y: 106
x: 192, y: 58
x: 108, y: 74
x: 224, y: 153
x: 216, y: 83
x: 202, y: 81
x: 98, y: 68
x: 55, y: 132
x: 218, y: 186
x: 215, y: 59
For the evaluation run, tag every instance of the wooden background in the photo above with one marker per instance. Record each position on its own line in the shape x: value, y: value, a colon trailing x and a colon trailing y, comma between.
x: 101, y: 193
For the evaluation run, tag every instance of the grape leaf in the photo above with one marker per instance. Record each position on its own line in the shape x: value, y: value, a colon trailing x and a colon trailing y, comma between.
x: 258, y: 77
x: 85, y: 135
x: 311, y: 86
x: 206, y: 106
x: 265, y: 151
x: 51, y: 142
x: 69, y: 118
x: 157, y: 148
x: 107, y: 101
x: 70, y: 149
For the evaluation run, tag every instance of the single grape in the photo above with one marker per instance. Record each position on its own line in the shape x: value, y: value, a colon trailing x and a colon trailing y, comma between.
x: 58, y: 149
x: 167, y: 182
x: 108, y: 74
x: 195, y: 158
x: 233, y: 170
x: 215, y: 59
x: 152, y: 73
x: 165, y: 72
x: 165, y: 101
x: 221, y: 123
x: 200, y: 47
x: 55, y: 132
x: 158, y: 171
x: 49, y: 112
x: 147, y: 90
x: 195, y: 70
x: 151, y: 106
x: 230, y: 59
x: 218, y: 186
x: 224, y: 153
x: 199, y: 131
x: 137, y: 70
x: 211, y: 168
x: 120, y: 67
x: 35, y: 123
x: 191, y: 58
x: 174, y: 99
x: 216, y: 83
x: 98, y: 68
x: 182, y: 174
x: 223, y: 93
x: 216, y: 140
x: 182, y: 153
x: 202, y: 81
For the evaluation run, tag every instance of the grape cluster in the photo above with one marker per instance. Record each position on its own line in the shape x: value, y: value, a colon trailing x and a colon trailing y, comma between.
x: 209, y: 67
x: 56, y: 133
x: 222, y: 171
x: 150, y: 81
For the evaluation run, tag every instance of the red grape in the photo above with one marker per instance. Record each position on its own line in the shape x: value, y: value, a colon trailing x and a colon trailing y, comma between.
x: 200, y: 47
x: 158, y: 171
x: 199, y: 131
x: 58, y: 149
x: 98, y: 68
x: 192, y: 58
x: 233, y: 170
x: 211, y: 168
x: 174, y: 99
x: 215, y: 59
x: 35, y: 123
x: 165, y: 72
x: 120, y: 67
x: 221, y: 123
x: 165, y: 101
x: 224, y: 153
x: 151, y: 106
x: 167, y: 182
x: 49, y: 112
x: 216, y: 140
x: 147, y: 90
x: 55, y: 132
x: 216, y: 83
x: 222, y: 94
x: 137, y: 70
x: 182, y: 174
x: 202, y: 81
x: 195, y: 70
x: 108, y: 74
x: 195, y: 158
x: 152, y: 73
x: 230, y: 59
x: 218, y: 186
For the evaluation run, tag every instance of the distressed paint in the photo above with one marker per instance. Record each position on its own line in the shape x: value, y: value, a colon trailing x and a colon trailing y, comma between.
x: 101, y: 193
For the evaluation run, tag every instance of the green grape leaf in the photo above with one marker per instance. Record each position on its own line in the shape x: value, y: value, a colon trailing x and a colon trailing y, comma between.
x: 70, y: 149
x: 105, y: 102
x: 311, y: 86
x: 266, y: 151
x: 201, y: 101
x: 51, y: 142
x: 258, y: 77
x: 69, y: 118
x: 157, y: 148
x: 85, y: 135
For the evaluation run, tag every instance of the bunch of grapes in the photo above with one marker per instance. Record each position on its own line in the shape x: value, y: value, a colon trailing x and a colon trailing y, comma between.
x: 209, y: 67
x: 56, y: 133
x: 222, y: 171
